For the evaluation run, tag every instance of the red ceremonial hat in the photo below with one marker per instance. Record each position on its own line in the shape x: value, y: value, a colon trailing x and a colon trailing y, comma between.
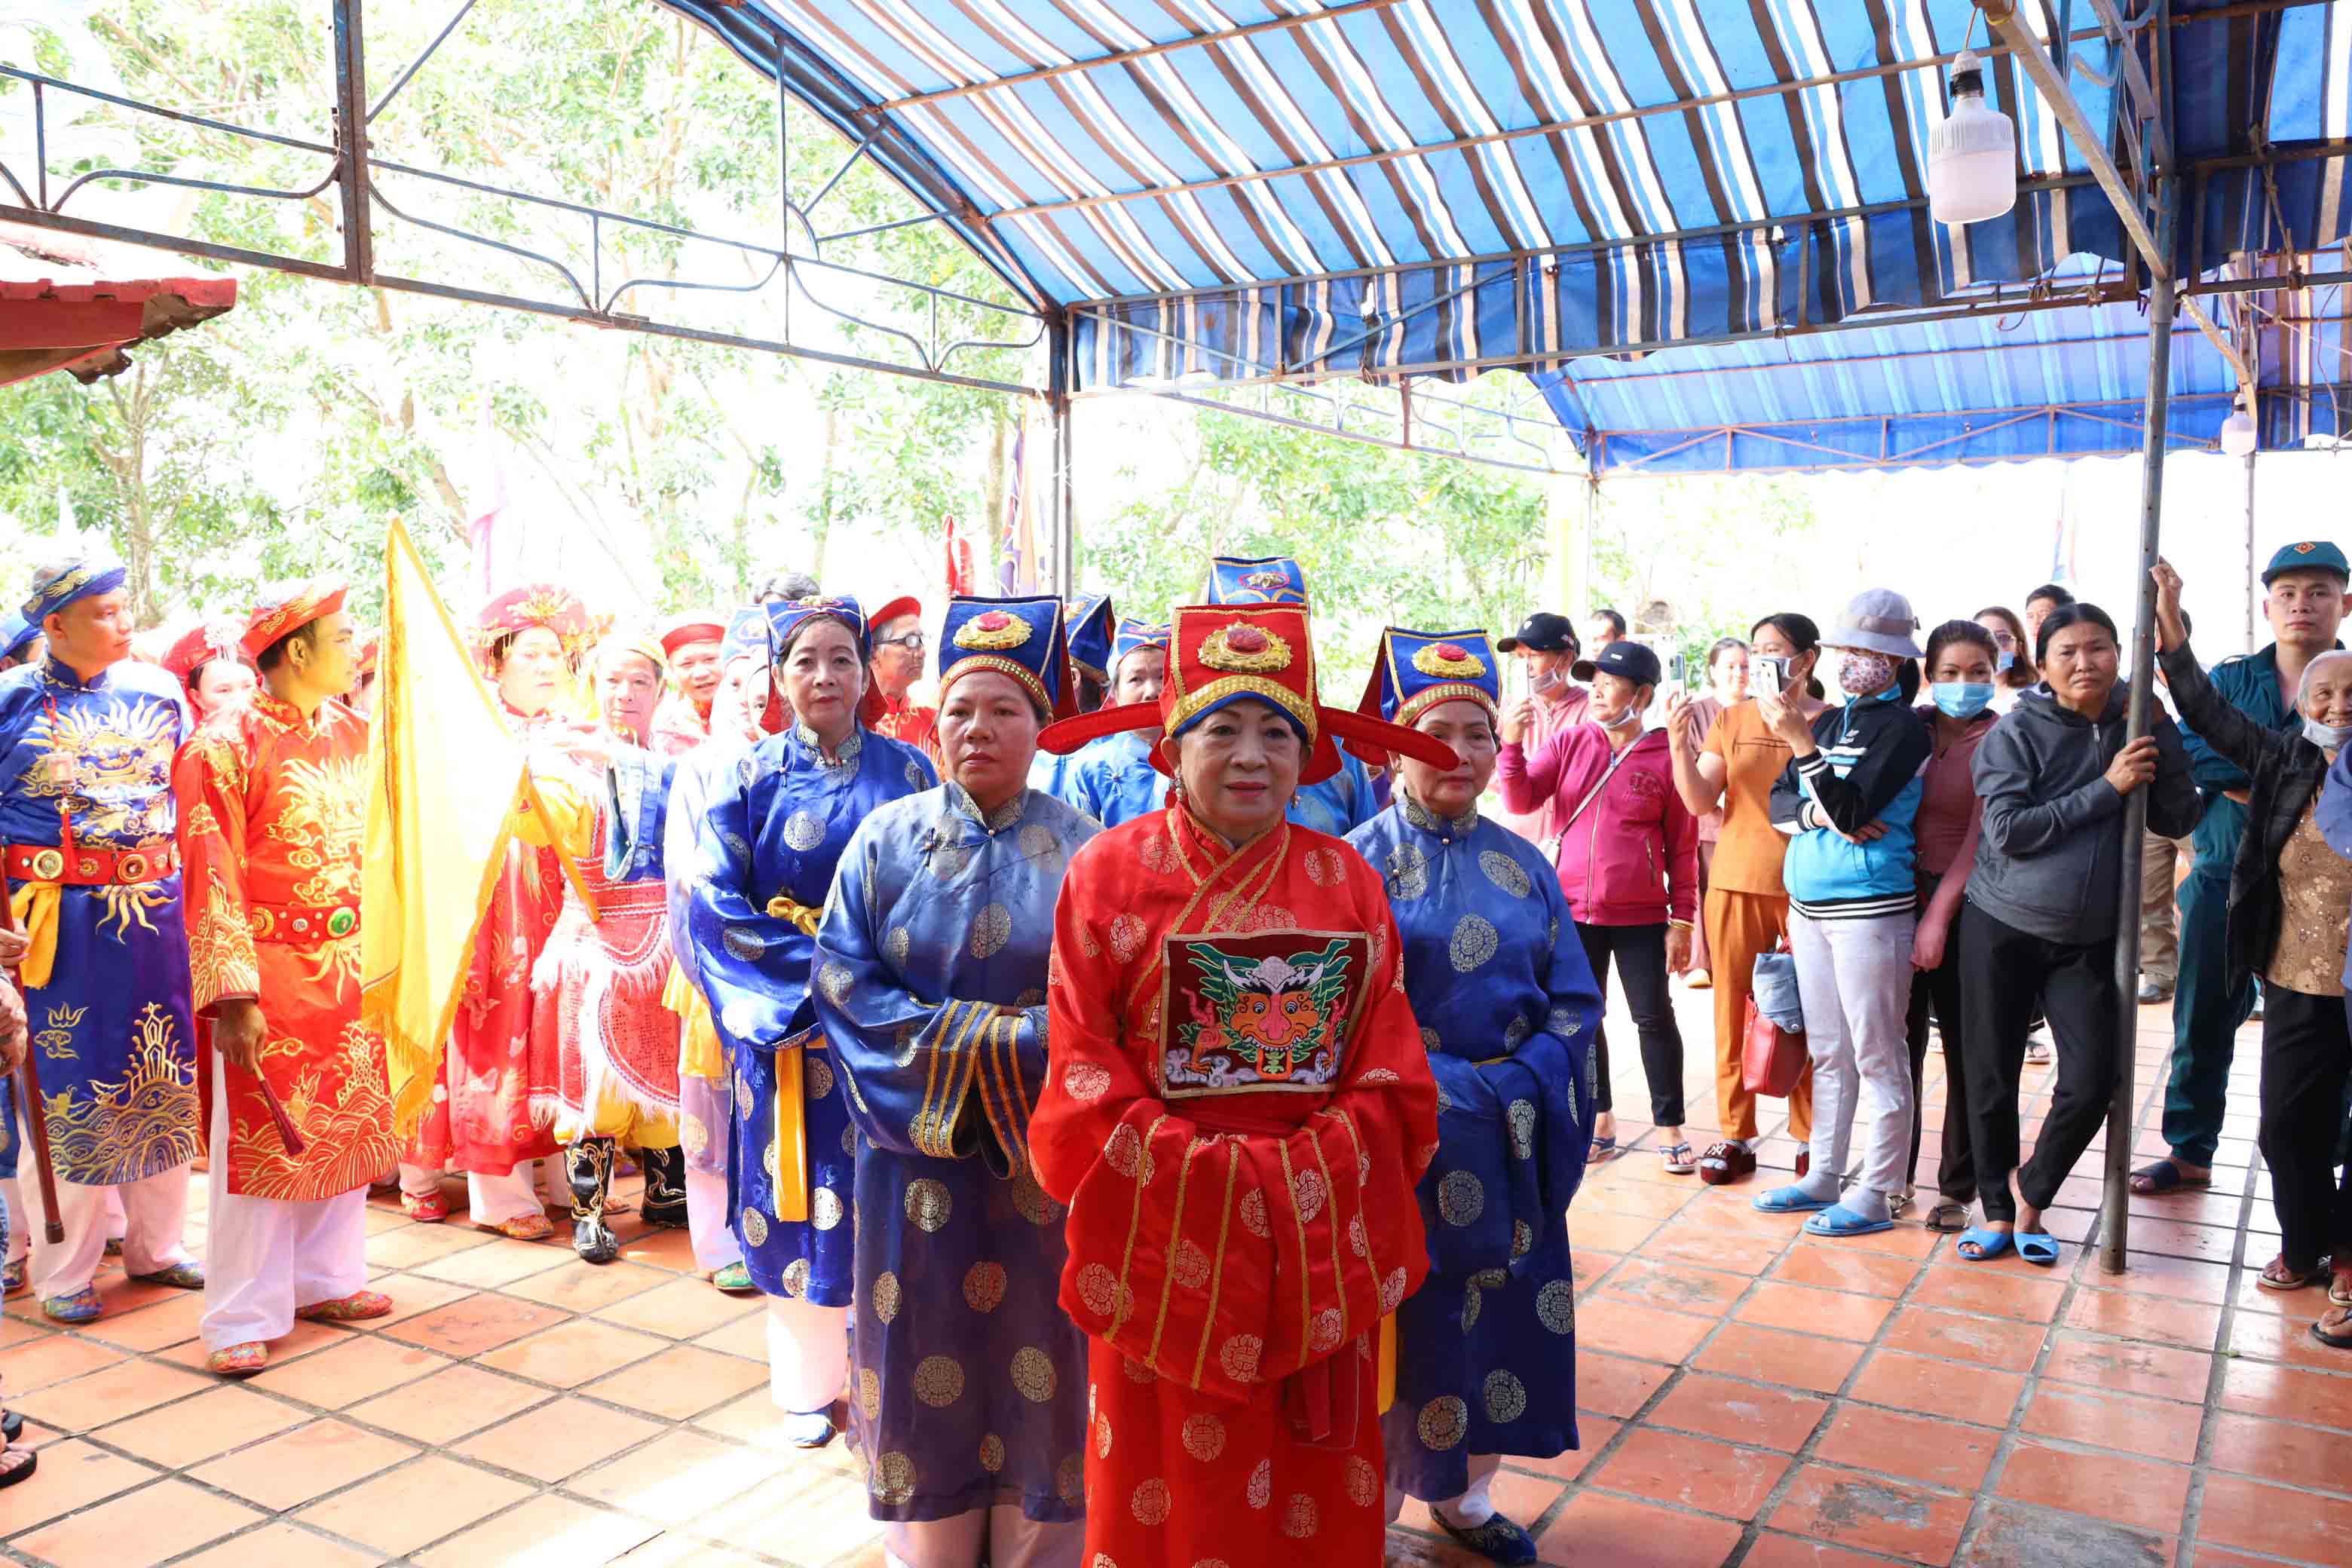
x: 203, y: 643
x: 1226, y: 653
x: 558, y: 609
x: 287, y: 616
x: 370, y: 651
x: 904, y: 604
x: 687, y: 630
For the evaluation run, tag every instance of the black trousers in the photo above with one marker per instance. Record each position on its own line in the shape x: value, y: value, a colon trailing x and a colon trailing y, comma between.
x: 2306, y: 1057
x: 2002, y: 971
x: 1937, y: 990
x: 1641, y: 954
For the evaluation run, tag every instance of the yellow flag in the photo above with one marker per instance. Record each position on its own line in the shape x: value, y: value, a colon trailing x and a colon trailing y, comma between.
x: 445, y: 783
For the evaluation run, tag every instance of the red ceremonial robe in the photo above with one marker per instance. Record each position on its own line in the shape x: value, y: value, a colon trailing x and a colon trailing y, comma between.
x: 1237, y: 1106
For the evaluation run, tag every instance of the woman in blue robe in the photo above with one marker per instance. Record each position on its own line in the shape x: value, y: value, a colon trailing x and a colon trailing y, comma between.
x: 773, y: 830
x: 1112, y: 779
x: 1487, y: 1349
x: 970, y: 1407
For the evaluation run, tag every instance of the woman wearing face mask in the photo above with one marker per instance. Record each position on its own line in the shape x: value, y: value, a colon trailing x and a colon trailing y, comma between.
x: 1849, y: 798
x: 2039, y: 919
x: 2012, y: 659
x: 1960, y: 671
x: 2290, y: 898
x: 1727, y: 674
x: 1732, y: 772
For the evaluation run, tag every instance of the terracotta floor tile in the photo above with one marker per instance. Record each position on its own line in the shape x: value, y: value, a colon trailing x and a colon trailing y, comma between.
x: 1597, y: 1529
x: 2278, y: 1451
x: 675, y: 1478
x: 1906, y: 1240
x: 1838, y: 1314
x: 1915, y: 1383
x: 498, y: 1264
x: 1614, y: 1385
x: 2005, y: 1288
x: 679, y: 1309
x: 1609, y: 1231
x: 1739, y: 1412
x: 446, y: 1405
x: 224, y: 1417
x: 2142, y: 1494
x: 74, y: 1474
x: 415, y: 1505
x: 159, y: 1327
x: 1590, y: 1263
x: 2260, y: 1388
x: 1774, y: 1550
x: 1592, y: 1431
x: 2130, y: 1366
x: 2124, y: 1314
x: 361, y: 1367
x: 571, y: 1354
x: 663, y: 1247
x: 476, y: 1324
x: 545, y: 1533
x: 558, y: 1439
x: 136, y: 1530
x: 1872, y: 1514
x: 679, y: 1381
x: 2014, y: 1537
x: 1677, y: 1287
x: 123, y: 1389
x: 289, y: 1471
x: 1651, y: 1200
x: 1999, y: 1342
x: 1627, y: 1327
x: 420, y: 1244
x: 577, y: 1285
x: 412, y: 1295
x: 280, y: 1545
x: 1767, y: 1355
x: 676, y: 1549
x: 803, y: 1515
x: 1830, y: 1268
x: 1919, y: 1449
x: 2287, y: 1339
x: 55, y: 1357
x: 2257, y: 1518
x: 1694, y: 1472
x: 2157, y: 1428
x: 2148, y: 1274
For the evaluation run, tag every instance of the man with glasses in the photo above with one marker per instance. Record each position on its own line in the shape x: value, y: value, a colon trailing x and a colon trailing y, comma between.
x: 894, y: 648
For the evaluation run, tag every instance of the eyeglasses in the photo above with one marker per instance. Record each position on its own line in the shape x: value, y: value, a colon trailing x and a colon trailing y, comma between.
x: 913, y: 642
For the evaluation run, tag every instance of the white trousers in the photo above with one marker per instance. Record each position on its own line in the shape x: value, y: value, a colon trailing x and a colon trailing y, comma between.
x: 20, y: 1236
x: 808, y: 1355
x: 1474, y: 1507
x: 1002, y: 1534
x: 715, y: 1246
x: 1855, y: 979
x: 155, y: 1212
x: 494, y: 1200
x: 264, y: 1257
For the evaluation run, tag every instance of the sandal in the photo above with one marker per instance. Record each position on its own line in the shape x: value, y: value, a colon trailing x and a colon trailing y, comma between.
x: 2166, y: 1175
x: 357, y: 1307
x: 1725, y: 1163
x: 1900, y: 1204
x: 238, y: 1360
x: 12, y: 1425
x: 2279, y: 1275
x: 1791, y: 1200
x: 2037, y: 1053
x: 1699, y: 980
x: 1988, y: 1244
x: 2340, y: 1286
x: 1839, y: 1220
x: 1947, y: 1217
x: 2038, y: 1247
x: 430, y: 1209
x: 2334, y: 1328
x: 1677, y: 1159
x: 1602, y: 1149
x: 27, y: 1461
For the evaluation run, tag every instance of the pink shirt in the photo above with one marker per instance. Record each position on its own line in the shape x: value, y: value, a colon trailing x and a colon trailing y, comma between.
x: 1550, y: 719
x: 1947, y: 799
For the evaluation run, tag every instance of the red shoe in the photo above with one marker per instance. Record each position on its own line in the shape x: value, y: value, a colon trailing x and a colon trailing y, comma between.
x: 431, y: 1209
x: 238, y: 1360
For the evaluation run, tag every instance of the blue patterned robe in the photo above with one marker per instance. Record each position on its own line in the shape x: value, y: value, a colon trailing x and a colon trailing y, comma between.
x: 932, y: 987
x: 1507, y: 1009
x: 112, y: 1024
x: 1112, y: 779
x: 1341, y: 804
x: 777, y: 821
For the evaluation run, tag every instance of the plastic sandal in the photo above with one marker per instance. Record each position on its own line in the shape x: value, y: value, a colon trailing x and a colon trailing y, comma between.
x: 1602, y: 1149
x: 82, y: 1307
x: 2277, y: 1275
x: 1947, y: 1217
x: 357, y: 1307
x: 1988, y: 1244
x: 238, y: 1360
x: 12, y: 1425
x: 2339, y: 1287
x: 1677, y: 1157
x: 1839, y: 1220
x: 1725, y: 1163
x: 2334, y: 1328
x: 31, y: 1461
x: 2037, y: 1247
x: 2166, y: 1176
x: 1791, y: 1200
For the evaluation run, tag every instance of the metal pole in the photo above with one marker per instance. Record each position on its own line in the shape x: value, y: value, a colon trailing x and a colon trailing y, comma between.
x: 352, y: 141
x: 2115, y: 1203
x: 2246, y: 594
x: 1061, y: 512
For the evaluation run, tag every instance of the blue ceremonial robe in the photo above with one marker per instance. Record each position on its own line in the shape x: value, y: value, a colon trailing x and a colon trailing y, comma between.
x: 777, y: 821
x: 112, y: 1024
x: 1508, y: 1007
x: 971, y: 1378
x: 1339, y: 804
x: 1112, y: 779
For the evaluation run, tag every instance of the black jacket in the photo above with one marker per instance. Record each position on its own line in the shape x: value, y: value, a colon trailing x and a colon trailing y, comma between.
x: 2285, y: 771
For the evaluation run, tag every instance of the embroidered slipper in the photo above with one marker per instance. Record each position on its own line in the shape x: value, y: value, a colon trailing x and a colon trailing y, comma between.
x: 430, y: 1209
x: 81, y: 1306
x: 1988, y: 1244
x: 238, y: 1360
x: 2038, y: 1247
x: 1840, y: 1220
x: 524, y: 1227
x: 736, y: 1280
x: 26, y: 1462
x: 188, y: 1275
x: 812, y: 1429
x: 13, y: 1279
x: 1497, y: 1541
x: 2164, y: 1176
x: 357, y: 1307
x: 1790, y: 1200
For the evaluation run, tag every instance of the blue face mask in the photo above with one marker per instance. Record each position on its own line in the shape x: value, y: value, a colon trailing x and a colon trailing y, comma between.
x: 1963, y: 699
x: 2005, y: 660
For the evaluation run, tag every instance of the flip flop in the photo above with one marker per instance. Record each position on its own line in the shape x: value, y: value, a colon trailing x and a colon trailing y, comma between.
x: 1840, y: 1220
x: 23, y: 1472
x: 1602, y: 1149
x: 12, y: 1425
x: 2036, y: 1246
x: 2166, y: 1176
x: 1791, y: 1200
x: 1988, y: 1244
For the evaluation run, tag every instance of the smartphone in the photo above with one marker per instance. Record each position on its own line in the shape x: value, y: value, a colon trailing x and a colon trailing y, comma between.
x: 1767, y: 672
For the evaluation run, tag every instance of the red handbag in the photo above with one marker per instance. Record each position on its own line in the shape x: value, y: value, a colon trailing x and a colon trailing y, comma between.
x: 1771, y: 1058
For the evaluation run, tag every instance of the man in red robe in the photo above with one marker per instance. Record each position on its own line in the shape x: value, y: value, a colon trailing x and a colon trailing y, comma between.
x: 894, y: 648
x: 689, y: 648
x: 272, y: 803
x: 1236, y: 1108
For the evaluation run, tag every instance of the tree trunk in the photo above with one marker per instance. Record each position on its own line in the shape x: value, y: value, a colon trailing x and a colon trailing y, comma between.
x: 991, y: 484
x: 823, y: 524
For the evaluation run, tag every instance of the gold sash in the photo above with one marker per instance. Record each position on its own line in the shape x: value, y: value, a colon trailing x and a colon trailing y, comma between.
x: 36, y: 906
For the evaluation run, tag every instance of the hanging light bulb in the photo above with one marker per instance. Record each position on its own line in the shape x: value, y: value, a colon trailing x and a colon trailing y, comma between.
x: 2239, y: 438
x: 1972, y: 156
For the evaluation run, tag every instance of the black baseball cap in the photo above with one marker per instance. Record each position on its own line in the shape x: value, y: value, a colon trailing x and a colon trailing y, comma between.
x: 1545, y: 632
x: 1626, y: 660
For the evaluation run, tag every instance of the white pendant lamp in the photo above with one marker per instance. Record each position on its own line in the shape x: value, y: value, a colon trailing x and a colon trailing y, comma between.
x: 2238, y: 434
x: 1972, y: 156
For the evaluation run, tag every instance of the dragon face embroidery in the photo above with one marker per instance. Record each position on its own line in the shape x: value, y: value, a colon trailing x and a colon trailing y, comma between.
x: 1260, y: 1012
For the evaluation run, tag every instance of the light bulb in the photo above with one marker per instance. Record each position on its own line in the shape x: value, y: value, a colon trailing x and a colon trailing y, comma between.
x: 2238, y: 434
x: 1972, y: 156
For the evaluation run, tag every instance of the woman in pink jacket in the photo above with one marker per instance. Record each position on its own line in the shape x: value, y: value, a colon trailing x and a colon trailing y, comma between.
x: 1628, y: 863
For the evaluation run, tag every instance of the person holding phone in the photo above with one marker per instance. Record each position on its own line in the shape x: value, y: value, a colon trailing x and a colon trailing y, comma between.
x: 1727, y: 676
x: 1549, y: 700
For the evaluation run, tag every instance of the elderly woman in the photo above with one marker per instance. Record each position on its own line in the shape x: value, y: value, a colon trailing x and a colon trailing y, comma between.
x: 1493, y: 1333
x: 2039, y: 919
x: 2290, y: 899
x: 1238, y: 1107
x: 971, y: 1403
x: 774, y: 827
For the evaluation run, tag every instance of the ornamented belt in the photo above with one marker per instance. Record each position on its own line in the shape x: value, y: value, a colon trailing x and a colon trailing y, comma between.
x: 301, y: 925
x: 84, y: 866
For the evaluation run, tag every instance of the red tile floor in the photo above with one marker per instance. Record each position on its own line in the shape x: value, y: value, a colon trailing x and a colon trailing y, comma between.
x: 1748, y: 1398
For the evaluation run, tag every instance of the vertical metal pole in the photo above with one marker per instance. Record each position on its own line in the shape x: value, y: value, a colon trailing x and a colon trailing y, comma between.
x: 2115, y: 1204
x: 2254, y: 567
x: 351, y: 141
x: 1061, y: 510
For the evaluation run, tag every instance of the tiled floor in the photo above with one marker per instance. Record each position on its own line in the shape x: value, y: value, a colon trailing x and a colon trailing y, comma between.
x: 1748, y: 1398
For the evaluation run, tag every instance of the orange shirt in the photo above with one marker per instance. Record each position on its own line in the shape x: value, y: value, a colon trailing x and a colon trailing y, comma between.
x: 1748, y: 851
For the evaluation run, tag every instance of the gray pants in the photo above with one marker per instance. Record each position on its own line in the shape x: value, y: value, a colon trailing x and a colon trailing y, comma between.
x: 1854, y: 977
x: 2160, y: 909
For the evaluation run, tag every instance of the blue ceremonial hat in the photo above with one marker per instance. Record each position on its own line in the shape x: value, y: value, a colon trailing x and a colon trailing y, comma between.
x: 786, y: 617
x: 1257, y: 579
x: 1415, y: 671
x: 80, y: 579
x: 1090, y: 636
x: 15, y: 631
x: 747, y: 633
x: 1018, y: 637
x: 1134, y: 634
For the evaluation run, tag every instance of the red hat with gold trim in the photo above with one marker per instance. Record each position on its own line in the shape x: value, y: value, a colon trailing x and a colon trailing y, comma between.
x: 198, y: 647
x: 290, y: 612
x: 557, y: 608
x: 1225, y: 654
x: 685, y: 631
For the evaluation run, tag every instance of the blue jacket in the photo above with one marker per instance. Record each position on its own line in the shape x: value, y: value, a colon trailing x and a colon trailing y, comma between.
x: 1866, y: 770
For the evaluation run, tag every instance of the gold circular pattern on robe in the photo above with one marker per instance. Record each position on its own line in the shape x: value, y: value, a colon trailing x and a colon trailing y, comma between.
x: 818, y: 1073
x: 1472, y: 943
x: 1360, y: 1241
x: 1443, y: 1422
x: 1261, y: 1484
x: 1189, y: 1266
x: 835, y: 979
x: 768, y: 1157
x: 850, y: 1138
x: 939, y: 1380
x: 1556, y: 1307
x: 1085, y: 1082
x: 1127, y: 934
x: 1158, y: 853
x: 1461, y: 1198
x: 1033, y: 1374
x: 1472, y: 1299
x: 1506, y: 1396
x: 991, y: 930
x: 1491, y: 1279
x: 1124, y: 1150
x: 743, y: 942
x: 983, y: 1287
x: 895, y: 946
x: 1523, y: 1238
x: 1444, y: 1100
x: 1149, y: 1504
x: 1031, y: 1201
x: 1204, y: 1435
x: 906, y: 1041
x: 824, y: 1208
x: 869, y: 1392
x: 1515, y: 1034
x: 1505, y: 873
x: 803, y: 832
x: 1363, y: 1481
x: 1408, y: 872
x: 1300, y: 1517
x: 1392, y: 1290
x: 1252, y: 1211
x: 992, y: 1453
x: 1097, y: 1288
x: 1324, y: 1334
x: 1308, y: 1191
x: 796, y: 1276
x: 928, y: 1204
x: 1429, y: 1040
x: 1521, y: 1115
x: 1275, y: 917
x: 692, y: 1135
x: 1138, y: 1371
x: 755, y: 1227
x: 1238, y: 1355
x: 1070, y: 1479
x: 893, y: 1480
x: 884, y: 1296
x: 743, y: 1097
x: 1102, y: 1436
x: 949, y: 860
x: 1039, y: 842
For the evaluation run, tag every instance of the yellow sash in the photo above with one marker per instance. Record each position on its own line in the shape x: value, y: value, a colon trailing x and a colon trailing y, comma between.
x: 791, y: 1170
x: 703, y: 1057
x: 1388, y: 1363
x: 36, y: 906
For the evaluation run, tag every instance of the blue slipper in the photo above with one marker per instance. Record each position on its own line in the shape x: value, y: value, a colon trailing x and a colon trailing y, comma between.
x: 1840, y: 1220
x: 1791, y: 1200
x: 1602, y: 1149
x: 1990, y: 1245
x: 2037, y: 1247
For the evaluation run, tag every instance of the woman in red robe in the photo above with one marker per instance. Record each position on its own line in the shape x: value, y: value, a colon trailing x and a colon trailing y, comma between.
x: 1237, y: 1109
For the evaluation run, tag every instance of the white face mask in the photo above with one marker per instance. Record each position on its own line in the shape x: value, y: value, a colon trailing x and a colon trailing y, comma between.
x: 2327, y: 737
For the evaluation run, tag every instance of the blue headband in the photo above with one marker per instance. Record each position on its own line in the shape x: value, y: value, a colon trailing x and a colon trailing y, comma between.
x: 78, y: 581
